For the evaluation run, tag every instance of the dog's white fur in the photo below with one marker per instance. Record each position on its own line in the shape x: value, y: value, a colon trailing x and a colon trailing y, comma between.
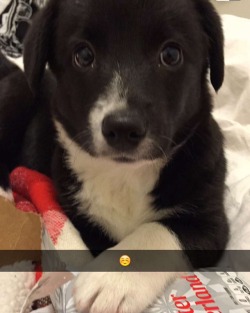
x: 114, y: 99
x: 129, y: 292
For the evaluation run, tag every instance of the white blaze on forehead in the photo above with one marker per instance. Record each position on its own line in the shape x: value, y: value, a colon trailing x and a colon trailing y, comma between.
x: 114, y: 99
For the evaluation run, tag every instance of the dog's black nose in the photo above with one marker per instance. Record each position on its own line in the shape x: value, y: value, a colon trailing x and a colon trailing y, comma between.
x: 123, y: 130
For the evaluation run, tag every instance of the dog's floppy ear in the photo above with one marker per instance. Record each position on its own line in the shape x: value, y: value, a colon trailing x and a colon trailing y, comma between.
x: 211, y: 24
x: 38, y: 43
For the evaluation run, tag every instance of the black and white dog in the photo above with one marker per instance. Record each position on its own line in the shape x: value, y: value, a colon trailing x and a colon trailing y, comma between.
x: 124, y: 128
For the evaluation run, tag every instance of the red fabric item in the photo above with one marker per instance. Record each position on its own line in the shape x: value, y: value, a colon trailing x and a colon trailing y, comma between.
x: 35, y: 187
x: 34, y: 192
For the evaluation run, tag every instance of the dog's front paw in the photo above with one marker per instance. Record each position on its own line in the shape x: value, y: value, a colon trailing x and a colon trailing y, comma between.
x: 118, y: 292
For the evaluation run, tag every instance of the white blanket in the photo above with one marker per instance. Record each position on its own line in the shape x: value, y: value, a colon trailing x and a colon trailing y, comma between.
x: 232, y: 111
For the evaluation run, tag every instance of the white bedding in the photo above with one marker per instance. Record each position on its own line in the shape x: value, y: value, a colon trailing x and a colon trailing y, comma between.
x: 232, y: 111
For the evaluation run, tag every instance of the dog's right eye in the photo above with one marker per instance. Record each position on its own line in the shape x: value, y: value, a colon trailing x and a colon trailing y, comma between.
x: 171, y: 55
x: 83, y: 57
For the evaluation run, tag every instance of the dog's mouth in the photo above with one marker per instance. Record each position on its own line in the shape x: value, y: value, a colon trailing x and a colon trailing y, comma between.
x: 131, y: 157
x: 124, y: 159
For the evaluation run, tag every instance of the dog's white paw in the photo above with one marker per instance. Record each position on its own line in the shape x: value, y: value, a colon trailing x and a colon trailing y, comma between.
x: 118, y: 292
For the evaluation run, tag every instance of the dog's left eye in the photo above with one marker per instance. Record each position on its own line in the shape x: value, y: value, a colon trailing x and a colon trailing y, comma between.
x: 84, y: 56
x: 171, y: 55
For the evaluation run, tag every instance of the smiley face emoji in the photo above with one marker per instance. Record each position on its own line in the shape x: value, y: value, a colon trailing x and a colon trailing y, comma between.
x: 125, y: 260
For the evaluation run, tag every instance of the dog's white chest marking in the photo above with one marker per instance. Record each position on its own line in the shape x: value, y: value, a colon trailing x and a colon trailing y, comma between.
x: 115, y: 195
x: 118, y: 197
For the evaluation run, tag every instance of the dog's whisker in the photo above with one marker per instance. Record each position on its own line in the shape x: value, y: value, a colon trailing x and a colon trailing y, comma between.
x: 168, y: 139
x: 157, y: 145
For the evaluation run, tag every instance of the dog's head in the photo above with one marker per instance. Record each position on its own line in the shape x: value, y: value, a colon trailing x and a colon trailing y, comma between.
x: 131, y: 74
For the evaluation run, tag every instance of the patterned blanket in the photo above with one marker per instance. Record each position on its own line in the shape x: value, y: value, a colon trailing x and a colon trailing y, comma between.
x: 15, y: 18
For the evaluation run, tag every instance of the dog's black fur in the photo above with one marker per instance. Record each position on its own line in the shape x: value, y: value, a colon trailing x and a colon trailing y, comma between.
x: 174, y: 105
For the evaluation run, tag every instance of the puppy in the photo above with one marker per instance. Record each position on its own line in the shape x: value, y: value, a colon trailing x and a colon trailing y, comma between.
x: 128, y: 136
